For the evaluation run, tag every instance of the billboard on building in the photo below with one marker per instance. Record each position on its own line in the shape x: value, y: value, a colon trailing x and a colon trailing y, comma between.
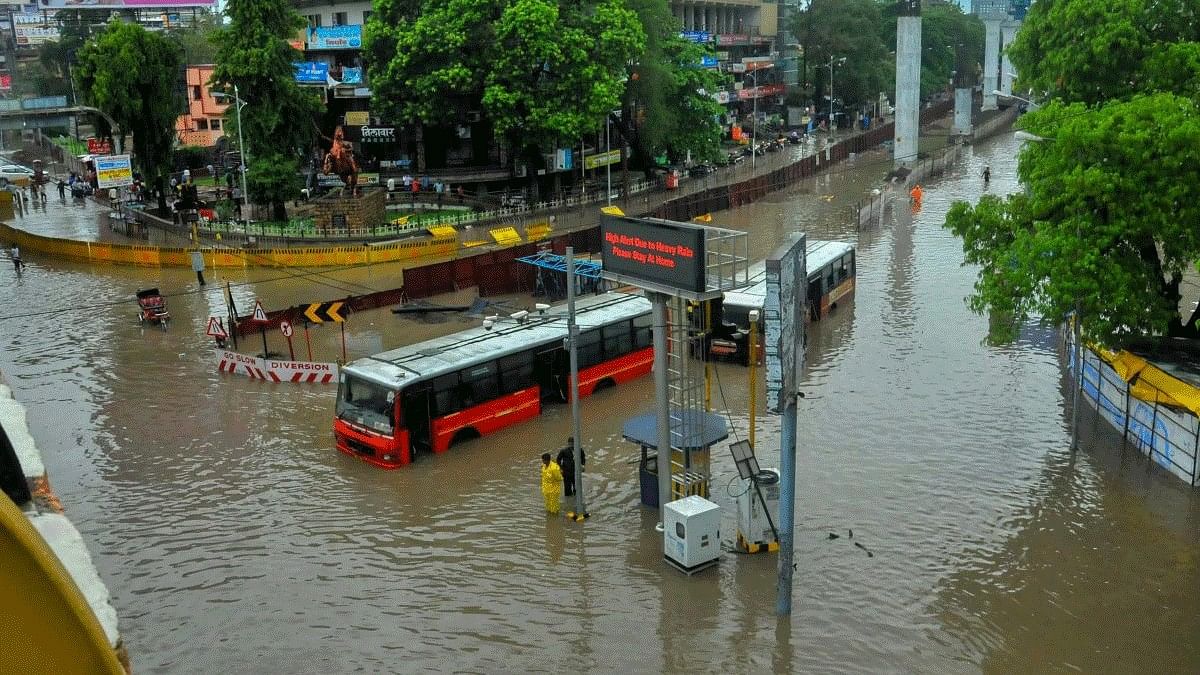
x: 121, y: 4
x: 335, y: 37
x: 33, y: 29
x: 312, y: 72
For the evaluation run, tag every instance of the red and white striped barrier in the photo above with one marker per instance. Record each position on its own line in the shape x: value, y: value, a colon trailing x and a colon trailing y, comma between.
x: 275, y: 371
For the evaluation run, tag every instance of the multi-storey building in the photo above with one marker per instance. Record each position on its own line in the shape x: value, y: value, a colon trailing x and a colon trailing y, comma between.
x: 203, y: 122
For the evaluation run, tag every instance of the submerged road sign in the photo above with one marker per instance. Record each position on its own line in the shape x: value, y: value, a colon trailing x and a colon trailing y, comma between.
x: 215, y: 329
x: 320, y: 312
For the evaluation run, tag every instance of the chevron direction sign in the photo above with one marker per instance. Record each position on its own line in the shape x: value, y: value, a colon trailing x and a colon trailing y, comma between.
x: 320, y: 312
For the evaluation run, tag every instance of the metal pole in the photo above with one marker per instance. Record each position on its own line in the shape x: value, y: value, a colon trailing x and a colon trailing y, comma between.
x: 237, y: 100
x: 754, y: 129
x: 662, y: 401
x: 787, y: 506
x: 752, y: 372
x: 1077, y: 366
x: 576, y: 423
x: 831, y: 93
x: 608, y: 164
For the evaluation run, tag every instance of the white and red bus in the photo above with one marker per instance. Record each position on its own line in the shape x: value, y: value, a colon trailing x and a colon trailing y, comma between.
x: 433, y: 394
x: 831, y: 277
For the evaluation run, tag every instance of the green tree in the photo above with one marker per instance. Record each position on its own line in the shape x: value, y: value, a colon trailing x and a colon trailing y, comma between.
x: 131, y: 73
x: 545, y: 73
x: 944, y: 31
x: 1092, y: 52
x: 667, y: 105
x: 1107, y: 223
x: 277, y: 119
x: 852, y: 29
x: 1108, y: 220
x: 197, y: 39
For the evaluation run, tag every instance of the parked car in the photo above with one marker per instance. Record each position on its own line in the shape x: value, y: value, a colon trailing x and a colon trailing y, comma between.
x: 701, y: 170
x: 15, y: 174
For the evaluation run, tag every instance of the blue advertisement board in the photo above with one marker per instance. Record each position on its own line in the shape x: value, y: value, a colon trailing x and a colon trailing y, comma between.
x: 335, y: 37
x: 708, y: 61
x: 311, y: 72
x: 695, y: 35
x: 352, y: 75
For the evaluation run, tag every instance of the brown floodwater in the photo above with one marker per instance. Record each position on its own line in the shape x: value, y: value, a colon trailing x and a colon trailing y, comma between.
x: 234, y: 538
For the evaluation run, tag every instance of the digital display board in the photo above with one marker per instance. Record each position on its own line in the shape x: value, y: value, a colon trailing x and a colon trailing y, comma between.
x: 653, y: 253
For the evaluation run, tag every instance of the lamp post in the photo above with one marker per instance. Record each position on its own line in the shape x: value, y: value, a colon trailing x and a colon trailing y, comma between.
x: 1032, y: 105
x: 839, y: 62
x: 237, y: 100
x: 754, y: 115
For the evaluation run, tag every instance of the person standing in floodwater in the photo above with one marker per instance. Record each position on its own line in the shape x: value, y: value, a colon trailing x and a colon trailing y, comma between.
x: 552, y: 479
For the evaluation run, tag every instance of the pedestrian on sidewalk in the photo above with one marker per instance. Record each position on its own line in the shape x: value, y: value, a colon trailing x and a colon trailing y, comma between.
x: 62, y: 190
x: 15, y: 254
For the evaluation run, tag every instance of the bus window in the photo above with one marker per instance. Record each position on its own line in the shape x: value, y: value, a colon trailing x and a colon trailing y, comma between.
x: 830, y: 278
x: 643, y: 334
x: 618, y: 339
x: 479, y: 383
x: 516, y: 372
x: 367, y: 404
x: 446, y: 394
x: 844, y: 268
x: 589, y: 348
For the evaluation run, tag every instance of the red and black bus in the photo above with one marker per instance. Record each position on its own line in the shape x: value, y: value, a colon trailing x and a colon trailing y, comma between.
x: 428, y: 396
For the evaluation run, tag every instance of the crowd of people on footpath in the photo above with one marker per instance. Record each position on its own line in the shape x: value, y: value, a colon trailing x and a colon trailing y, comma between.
x: 559, y: 474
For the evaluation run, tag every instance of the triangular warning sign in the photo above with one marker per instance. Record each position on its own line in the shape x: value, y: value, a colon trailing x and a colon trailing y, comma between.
x: 215, y: 329
x: 259, y: 313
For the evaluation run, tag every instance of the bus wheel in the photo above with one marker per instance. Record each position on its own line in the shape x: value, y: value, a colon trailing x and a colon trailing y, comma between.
x: 464, y: 435
x: 606, y: 383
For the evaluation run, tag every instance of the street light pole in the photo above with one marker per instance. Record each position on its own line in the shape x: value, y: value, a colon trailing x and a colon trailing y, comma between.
x: 754, y: 129
x: 831, y: 62
x: 237, y: 99
x: 607, y: 158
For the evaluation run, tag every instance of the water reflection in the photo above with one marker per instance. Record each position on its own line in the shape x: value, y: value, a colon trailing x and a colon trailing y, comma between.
x: 230, y: 532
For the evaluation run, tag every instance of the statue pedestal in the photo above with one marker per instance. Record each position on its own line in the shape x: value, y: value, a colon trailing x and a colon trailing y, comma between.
x: 336, y: 214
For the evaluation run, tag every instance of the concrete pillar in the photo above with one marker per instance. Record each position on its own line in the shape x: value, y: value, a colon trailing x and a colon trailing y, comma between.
x: 1008, y: 31
x: 908, y: 88
x: 991, y: 62
x: 962, y: 111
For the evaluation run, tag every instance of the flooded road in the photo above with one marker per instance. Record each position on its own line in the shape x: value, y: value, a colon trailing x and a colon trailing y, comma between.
x: 235, y: 539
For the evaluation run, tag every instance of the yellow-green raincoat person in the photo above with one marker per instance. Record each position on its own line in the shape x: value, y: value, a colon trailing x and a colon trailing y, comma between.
x: 552, y: 483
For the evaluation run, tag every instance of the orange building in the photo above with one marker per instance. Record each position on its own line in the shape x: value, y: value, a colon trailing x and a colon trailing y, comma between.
x: 205, y: 120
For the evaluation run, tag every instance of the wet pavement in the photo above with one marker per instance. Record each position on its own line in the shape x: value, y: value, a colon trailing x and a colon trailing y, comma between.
x: 234, y: 538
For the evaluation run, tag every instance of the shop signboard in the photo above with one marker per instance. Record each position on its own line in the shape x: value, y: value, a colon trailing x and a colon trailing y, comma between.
x: 697, y: 36
x: 113, y: 171
x: 311, y: 72
x: 707, y: 61
x: 335, y: 37
x: 601, y: 159
x: 352, y: 75
x: 373, y: 135
x: 729, y: 39
x: 357, y: 118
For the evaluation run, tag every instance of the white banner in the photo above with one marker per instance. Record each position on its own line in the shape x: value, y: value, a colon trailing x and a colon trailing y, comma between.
x: 275, y: 371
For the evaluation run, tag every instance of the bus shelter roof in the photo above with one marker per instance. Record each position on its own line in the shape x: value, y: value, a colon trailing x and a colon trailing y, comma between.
x: 690, y: 430
x: 584, y: 267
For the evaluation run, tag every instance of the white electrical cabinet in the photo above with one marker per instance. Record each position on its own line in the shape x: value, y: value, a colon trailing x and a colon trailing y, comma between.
x: 754, y: 527
x: 691, y: 533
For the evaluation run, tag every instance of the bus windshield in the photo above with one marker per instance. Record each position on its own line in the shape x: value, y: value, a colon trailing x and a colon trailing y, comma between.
x: 367, y: 404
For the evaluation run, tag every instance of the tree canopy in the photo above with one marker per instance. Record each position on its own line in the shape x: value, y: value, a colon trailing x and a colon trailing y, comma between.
x: 277, y: 119
x: 130, y: 73
x: 1108, y: 220
x: 544, y: 72
x: 668, y: 105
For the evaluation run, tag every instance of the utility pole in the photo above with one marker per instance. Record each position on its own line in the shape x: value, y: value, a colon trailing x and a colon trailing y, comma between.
x: 576, y: 423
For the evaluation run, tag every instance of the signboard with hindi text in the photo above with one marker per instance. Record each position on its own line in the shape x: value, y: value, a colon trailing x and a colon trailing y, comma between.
x: 113, y: 171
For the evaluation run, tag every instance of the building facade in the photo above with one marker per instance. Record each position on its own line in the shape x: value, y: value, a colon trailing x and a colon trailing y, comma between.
x: 204, y: 121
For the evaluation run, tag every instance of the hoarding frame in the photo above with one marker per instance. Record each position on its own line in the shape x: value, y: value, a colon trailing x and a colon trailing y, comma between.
x: 113, y: 171
x: 783, y: 320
